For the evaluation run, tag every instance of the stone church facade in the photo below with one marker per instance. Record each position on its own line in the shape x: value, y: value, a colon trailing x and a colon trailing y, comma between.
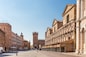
x: 81, y: 27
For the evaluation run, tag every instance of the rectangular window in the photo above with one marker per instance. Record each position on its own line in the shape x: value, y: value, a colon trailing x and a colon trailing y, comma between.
x: 54, y: 29
x: 67, y: 18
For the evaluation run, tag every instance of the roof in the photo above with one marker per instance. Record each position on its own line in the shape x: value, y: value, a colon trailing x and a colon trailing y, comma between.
x: 55, y: 21
x: 67, y: 8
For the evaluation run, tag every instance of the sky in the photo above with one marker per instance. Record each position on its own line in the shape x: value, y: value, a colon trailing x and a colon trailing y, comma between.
x: 28, y: 16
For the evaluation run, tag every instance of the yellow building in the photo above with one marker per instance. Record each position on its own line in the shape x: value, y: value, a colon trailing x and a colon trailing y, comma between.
x: 62, y: 35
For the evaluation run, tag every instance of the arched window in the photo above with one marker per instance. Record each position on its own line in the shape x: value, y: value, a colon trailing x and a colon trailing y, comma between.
x: 54, y: 29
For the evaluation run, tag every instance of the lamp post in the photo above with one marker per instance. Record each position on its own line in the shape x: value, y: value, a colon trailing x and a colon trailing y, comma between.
x: 16, y: 46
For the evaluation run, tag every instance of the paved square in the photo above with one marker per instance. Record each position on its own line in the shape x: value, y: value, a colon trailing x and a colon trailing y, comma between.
x: 36, y: 53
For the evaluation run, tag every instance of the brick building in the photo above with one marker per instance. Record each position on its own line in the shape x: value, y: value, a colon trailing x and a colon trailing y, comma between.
x: 36, y: 42
x: 6, y: 28
x: 26, y: 45
x: 2, y: 39
x: 17, y: 41
x: 41, y: 43
x: 11, y: 38
x: 35, y: 39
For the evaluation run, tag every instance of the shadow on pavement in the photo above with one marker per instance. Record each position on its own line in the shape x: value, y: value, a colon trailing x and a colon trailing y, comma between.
x: 1, y: 55
x: 6, y: 55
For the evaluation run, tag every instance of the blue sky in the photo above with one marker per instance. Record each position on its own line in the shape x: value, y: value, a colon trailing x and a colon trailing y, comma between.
x: 28, y: 16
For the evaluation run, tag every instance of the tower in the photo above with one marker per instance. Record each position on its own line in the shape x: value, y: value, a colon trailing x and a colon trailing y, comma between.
x: 22, y: 39
x: 35, y: 39
x: 21, y: 35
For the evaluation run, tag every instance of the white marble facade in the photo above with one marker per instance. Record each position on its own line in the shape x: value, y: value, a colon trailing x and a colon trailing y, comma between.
x: 81, y: 27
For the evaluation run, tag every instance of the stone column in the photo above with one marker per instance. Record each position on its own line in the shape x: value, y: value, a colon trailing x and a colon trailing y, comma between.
x: 83, y: 14
x: 85, y: 42
x: 74, y: 33
x: 80, y: 42
x: 78, y: 11
x: 82, y: 8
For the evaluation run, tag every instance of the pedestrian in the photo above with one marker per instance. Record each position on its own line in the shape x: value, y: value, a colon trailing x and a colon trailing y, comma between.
x: 16, y: 52
x: 5, y: 49
x: 40, y: 49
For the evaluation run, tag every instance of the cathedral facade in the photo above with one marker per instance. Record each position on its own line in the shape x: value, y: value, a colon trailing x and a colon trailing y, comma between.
x: 81, y: 27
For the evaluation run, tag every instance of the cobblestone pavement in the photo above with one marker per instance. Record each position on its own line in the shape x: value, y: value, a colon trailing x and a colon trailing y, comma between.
x: 36, y: 53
